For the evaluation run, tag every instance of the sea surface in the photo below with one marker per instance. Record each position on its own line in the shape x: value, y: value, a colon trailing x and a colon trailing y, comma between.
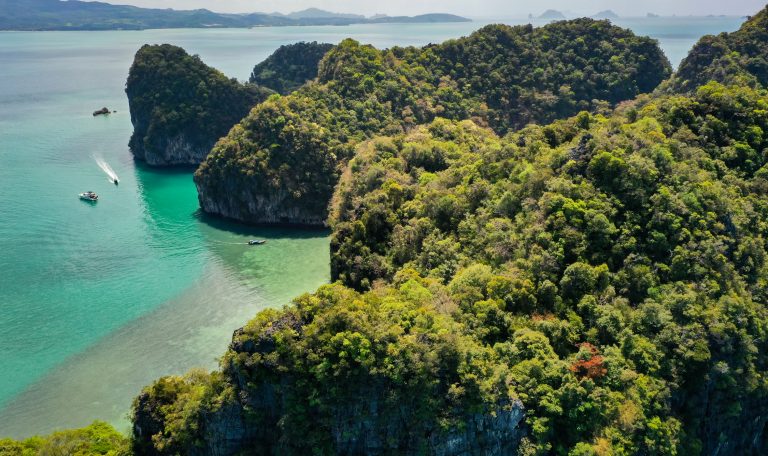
x: 97, y: 300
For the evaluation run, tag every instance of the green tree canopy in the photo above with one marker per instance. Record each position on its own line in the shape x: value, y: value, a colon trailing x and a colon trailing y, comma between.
x: 282, y: 162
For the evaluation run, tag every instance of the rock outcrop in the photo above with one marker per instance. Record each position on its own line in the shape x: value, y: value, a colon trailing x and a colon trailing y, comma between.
x: 282, y: 162
x: 303, y: 380
x: 101, y: 112
x: 360, y: 430
x: 256, y: 209
x: 177, y: 150
x: 180, y: 106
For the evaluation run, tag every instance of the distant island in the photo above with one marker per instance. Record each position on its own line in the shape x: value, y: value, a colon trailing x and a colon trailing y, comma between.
x: 607, y: 14
x: 552, y: 14
x: 81, y: 15
x: 316, y: 13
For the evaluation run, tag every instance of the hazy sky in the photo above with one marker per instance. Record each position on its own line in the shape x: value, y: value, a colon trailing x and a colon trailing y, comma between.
x: 472, y: 8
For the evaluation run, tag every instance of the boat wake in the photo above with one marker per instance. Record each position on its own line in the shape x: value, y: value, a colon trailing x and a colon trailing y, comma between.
x: 111, y: 174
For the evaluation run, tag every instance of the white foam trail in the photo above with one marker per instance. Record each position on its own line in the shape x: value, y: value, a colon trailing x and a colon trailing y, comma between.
x: 106, y: 168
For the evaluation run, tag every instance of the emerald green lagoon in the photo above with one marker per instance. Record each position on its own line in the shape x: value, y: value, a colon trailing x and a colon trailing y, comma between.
x: 99, y: 299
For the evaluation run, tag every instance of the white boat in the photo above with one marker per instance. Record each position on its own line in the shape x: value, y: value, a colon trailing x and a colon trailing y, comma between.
x: 89, y: 196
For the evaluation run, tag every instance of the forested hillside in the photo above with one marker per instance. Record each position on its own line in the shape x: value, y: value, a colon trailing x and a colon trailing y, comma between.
x: 606, y: 272
x: 740, y: 57
x: 180, y: 106
x: 281, y: 163
x: 584, y: 230
x: 290, y: 66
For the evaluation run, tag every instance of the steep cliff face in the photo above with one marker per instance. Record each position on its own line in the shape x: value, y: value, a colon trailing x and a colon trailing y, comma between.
x: 360, y: 428
x: 177, y: 150
x: 732, y: 428
x: 303, y: 381
x: 298, y: 172
x: 268, y: 209
x: 180, y: 107
x: 223, y: 430
x: 283, y: 160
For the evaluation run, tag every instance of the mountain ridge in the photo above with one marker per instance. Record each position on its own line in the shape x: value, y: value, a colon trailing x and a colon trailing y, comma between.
x: 40, y: 15
x: 606, y: 14
x: 316, y: 13
x: 552, y: 14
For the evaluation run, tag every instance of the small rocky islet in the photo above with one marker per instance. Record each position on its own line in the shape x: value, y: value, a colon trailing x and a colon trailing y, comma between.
x: 103, y: 112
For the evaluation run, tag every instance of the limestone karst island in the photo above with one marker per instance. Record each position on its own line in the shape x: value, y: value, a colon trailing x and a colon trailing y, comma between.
x: 507, y: 229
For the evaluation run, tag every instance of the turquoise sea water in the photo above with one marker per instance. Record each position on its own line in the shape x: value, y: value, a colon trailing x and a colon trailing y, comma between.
x: 97, y: 300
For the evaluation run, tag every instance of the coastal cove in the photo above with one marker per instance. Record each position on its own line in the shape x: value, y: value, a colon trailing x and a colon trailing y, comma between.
x: 99, y: 300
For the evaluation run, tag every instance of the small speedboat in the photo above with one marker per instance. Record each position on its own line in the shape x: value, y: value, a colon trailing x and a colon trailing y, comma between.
x: 256, y: 242
x: 89, y: 196
x: 115, y: 181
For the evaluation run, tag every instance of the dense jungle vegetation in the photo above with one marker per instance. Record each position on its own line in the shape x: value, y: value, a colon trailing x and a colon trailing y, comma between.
x: 633, y: 245
x: 174, y: 95
x: 288, y: 152
x: 180, y: 107
x: 605, y: 273
x: 290, y: 66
